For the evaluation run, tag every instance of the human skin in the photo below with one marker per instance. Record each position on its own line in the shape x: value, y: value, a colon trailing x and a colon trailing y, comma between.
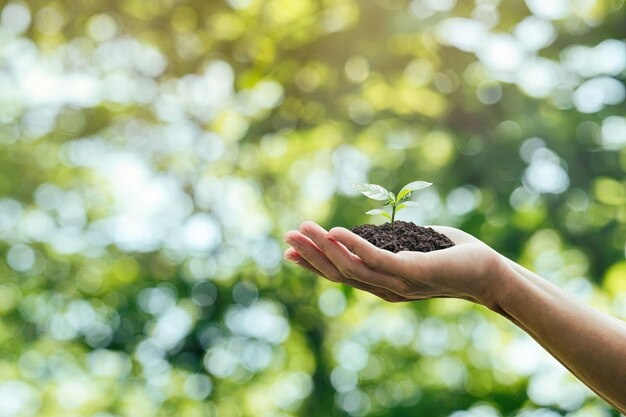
x: 591, y: 344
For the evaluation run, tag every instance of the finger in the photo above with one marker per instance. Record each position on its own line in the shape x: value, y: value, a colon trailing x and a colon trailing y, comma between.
x: 348, y: 264
x: 312, y: 254
x: 374, y: 257
x: 292, y: 256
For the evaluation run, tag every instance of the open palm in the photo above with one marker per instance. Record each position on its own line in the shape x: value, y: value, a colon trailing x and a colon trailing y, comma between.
x: 462, y: 271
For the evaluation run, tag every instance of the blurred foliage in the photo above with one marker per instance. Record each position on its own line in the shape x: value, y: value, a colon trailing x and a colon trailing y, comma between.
x: 152, y: 153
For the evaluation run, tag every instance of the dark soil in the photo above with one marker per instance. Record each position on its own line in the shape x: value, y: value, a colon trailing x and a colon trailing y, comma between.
x: 405, y: 236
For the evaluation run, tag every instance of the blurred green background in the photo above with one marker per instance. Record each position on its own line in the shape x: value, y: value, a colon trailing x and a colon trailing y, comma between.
x: 152, y: 154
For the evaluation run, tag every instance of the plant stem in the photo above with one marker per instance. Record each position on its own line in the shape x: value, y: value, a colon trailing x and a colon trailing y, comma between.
x: 393, y: 214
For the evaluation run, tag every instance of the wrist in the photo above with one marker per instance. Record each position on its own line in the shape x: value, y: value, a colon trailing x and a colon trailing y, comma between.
x: 503, y: 280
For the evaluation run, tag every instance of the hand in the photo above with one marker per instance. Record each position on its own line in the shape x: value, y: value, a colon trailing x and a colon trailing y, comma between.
x: 469, y: 270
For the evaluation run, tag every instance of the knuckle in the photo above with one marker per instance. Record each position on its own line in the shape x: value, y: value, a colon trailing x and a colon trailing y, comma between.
x: 386, y: 297
x: 348, y: 272
x: 305, y: 226
x: 381, y: 295
x: 407, y: 267
x: 305, y: 252
x: 390, y: 298
x: 374, y: 261
x: 336, y: 277
x: 335, y: 231
x: 402, y: 287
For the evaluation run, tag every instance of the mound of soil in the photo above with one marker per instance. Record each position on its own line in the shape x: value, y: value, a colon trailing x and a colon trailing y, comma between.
x: 405, y: 236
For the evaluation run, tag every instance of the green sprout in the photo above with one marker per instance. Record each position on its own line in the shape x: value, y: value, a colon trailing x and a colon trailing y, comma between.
x: 376, y: 192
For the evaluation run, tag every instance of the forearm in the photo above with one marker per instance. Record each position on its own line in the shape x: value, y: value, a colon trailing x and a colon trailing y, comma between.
x: 591, y: 344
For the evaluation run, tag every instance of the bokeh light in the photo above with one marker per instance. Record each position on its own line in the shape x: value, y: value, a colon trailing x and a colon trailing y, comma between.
x: 152, y: 154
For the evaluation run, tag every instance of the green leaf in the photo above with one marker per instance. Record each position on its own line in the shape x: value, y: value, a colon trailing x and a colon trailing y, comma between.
x: 373, y: 191
x: 376, y: 212
x: 407, y: 204
x: 412, y: 186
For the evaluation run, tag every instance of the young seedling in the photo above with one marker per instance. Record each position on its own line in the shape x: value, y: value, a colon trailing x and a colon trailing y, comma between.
x: 376, y: 192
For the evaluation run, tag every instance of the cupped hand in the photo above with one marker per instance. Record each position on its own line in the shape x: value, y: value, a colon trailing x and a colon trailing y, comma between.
x: 469, y: 270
